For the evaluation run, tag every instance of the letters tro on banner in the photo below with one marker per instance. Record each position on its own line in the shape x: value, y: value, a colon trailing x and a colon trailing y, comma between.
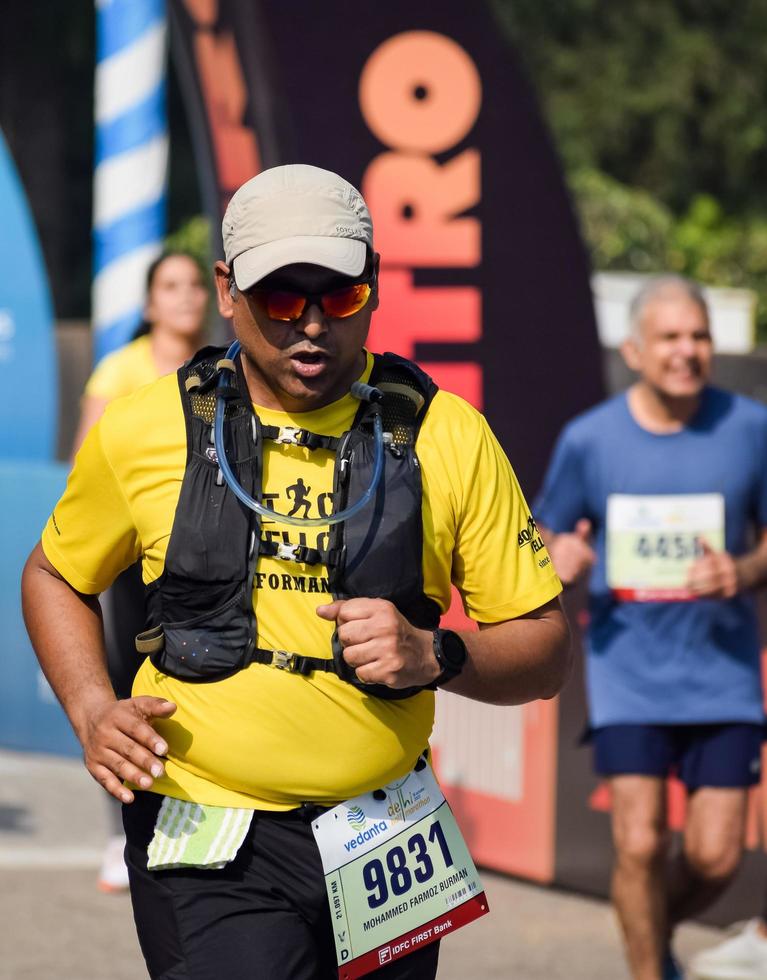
x: 484, y: 280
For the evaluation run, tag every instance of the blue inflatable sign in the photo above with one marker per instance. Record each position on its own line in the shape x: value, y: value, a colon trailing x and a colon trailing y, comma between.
x: 28, y: 373
x: 30, y: 480
x: 30, y: 717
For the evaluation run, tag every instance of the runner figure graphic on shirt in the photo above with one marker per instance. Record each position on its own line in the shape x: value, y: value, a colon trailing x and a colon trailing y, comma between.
x: 300, y: 494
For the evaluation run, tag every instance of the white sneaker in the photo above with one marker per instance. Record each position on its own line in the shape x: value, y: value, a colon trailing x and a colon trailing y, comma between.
x: 113, y: 876
x: 744, y: 957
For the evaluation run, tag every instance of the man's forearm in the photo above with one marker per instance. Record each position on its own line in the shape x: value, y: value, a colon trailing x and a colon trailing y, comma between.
x: 517, y: 661
x: 118, y: 739
x: 67, y: 634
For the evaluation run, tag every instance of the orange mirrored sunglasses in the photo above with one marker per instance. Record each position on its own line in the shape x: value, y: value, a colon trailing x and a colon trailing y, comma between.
x: 282, y: 304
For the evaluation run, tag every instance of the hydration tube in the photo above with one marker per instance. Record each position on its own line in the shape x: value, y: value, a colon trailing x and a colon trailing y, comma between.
x: 359, y: 390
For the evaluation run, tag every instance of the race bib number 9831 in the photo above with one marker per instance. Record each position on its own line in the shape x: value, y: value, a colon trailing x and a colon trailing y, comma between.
x: 398, y: 873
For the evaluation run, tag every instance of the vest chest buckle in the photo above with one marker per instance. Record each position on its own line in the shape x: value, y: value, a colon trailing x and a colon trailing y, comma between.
x: 288, y: 552
x: 289, y: 435
x: 283, y: 660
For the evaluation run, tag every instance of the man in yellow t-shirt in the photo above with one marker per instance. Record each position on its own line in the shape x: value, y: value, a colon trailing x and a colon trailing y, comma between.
x: 267, y: 747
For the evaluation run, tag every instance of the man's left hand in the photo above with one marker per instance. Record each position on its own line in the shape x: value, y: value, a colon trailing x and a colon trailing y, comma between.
x: 381, y: 645
x: 714, y: 575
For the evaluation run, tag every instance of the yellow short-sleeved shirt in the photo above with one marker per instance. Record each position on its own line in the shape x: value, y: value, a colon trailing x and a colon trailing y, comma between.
x: 267, y: 738
x: 123, y: 371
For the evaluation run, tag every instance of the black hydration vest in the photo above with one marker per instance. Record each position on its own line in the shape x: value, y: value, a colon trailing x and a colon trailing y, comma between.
x: 201, y: 620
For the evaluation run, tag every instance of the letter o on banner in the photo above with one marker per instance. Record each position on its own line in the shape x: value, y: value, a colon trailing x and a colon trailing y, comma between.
x: 420, y: 91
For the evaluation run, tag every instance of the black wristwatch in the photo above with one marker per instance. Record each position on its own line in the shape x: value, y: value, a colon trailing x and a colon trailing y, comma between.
x: 450, y: 651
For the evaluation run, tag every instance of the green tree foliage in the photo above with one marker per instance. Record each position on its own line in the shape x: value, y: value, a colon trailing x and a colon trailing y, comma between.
x: 659, y: 113
x: 628, y: 229
x: 625, y: 228
x: 192, y: 236
x: 667, y: 95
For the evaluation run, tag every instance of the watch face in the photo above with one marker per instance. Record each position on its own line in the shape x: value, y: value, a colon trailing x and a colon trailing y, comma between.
x: 453, y: 649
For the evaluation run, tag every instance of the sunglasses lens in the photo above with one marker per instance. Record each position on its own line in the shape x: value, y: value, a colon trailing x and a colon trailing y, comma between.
x: 283, y: 306
x: 346, y: 302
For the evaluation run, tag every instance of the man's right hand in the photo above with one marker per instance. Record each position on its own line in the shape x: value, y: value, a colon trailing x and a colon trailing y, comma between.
x: 121, y: 744
x: 571, y: 552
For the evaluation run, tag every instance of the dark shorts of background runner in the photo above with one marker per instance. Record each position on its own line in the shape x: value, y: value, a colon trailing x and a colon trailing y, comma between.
x: 724, y: 756
x: 264, y: 916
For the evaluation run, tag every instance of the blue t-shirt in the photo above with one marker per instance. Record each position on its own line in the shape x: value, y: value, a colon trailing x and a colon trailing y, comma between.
x: 666, y: 662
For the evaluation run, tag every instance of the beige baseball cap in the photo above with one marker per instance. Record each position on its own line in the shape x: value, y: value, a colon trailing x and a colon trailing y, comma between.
x: 295, y: 213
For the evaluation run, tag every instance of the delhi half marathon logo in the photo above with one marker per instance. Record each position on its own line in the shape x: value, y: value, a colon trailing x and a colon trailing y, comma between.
x: 356, y: 818
x: 403, y: 805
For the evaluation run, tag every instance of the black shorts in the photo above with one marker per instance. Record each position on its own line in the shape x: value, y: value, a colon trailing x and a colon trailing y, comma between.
x: 725, y: 756
x: 265, y: 916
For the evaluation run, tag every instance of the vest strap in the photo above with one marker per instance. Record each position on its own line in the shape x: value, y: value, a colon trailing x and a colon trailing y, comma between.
x: 294, y: 663
x: 150, y: 641
x: 299, y: 553
x: 289, y: 435
x: 227, y: 392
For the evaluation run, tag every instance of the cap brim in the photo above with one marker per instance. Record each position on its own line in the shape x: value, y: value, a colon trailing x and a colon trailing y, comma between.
x: 344, y: 255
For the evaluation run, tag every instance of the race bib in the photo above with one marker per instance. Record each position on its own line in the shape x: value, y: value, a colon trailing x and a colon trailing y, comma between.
x: 653, y: 540
x: 397, y: 871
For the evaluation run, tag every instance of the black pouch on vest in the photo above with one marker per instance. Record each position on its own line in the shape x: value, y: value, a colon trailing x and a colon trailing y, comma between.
x: 381, y: 546
x: 212, y: 644
x: 200, y: 610
x: 392, y: 521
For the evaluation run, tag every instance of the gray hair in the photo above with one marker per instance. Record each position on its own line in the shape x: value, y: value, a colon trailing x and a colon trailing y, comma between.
x: 658, y: 288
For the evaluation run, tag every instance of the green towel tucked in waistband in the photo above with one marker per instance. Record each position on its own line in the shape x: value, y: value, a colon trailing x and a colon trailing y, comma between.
x: 189, y: 835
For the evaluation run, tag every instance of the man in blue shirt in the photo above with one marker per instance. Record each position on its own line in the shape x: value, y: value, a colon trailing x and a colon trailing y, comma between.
x: 662, y: 493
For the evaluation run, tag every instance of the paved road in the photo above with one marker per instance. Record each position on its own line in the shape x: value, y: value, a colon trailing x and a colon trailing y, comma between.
x: 55, y: 925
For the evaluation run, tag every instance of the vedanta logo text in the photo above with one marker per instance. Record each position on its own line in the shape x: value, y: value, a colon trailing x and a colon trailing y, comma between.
x: 365, y: 835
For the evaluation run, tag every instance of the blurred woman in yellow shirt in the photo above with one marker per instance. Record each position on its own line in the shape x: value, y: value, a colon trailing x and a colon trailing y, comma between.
x: 171, y: 331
